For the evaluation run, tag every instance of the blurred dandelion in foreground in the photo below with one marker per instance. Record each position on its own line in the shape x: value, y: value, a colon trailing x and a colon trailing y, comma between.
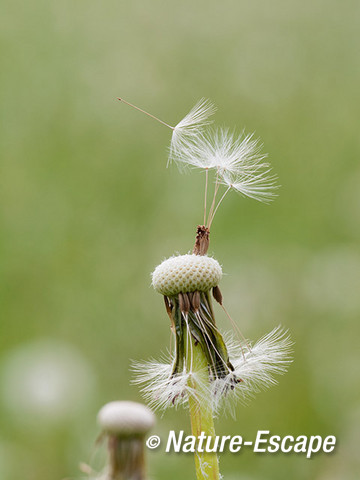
x: 205, y: 371
x: 124, y: 424
x: 46, y: 382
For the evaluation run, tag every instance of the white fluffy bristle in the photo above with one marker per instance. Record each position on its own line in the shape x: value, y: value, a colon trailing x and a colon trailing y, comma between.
x: 186, y: 273
x: 125, y: 418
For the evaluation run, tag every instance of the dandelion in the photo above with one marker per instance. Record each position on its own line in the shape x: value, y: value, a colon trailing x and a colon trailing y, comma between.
x: 207, y: 371
x: 125, y: 425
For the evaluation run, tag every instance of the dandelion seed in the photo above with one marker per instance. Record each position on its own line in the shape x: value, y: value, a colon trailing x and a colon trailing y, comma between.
x: 256, y: 366
x: 259, y: 186
x: 162, y: 388
x: 221, y: 150
x: 191, y: 126
x: 238, y: 162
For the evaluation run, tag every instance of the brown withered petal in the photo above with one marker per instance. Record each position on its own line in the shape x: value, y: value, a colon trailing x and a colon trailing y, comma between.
x: 196, y: 301
x: 217, y: 294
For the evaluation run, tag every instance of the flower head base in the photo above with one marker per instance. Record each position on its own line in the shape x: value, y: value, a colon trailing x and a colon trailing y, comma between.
x: 186, y: 273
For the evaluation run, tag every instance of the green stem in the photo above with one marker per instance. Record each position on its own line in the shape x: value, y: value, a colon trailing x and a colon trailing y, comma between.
x: 126, y: 458
x: 201, y: 411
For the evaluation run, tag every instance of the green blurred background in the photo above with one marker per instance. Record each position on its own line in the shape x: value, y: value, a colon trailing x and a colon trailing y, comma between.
x: 88, y: 209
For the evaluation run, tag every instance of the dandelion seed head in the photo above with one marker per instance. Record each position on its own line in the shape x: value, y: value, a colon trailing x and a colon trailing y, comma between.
x: 186, y: 273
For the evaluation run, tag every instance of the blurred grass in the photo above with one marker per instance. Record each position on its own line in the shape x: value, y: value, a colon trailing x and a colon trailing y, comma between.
x: 88, y: 208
